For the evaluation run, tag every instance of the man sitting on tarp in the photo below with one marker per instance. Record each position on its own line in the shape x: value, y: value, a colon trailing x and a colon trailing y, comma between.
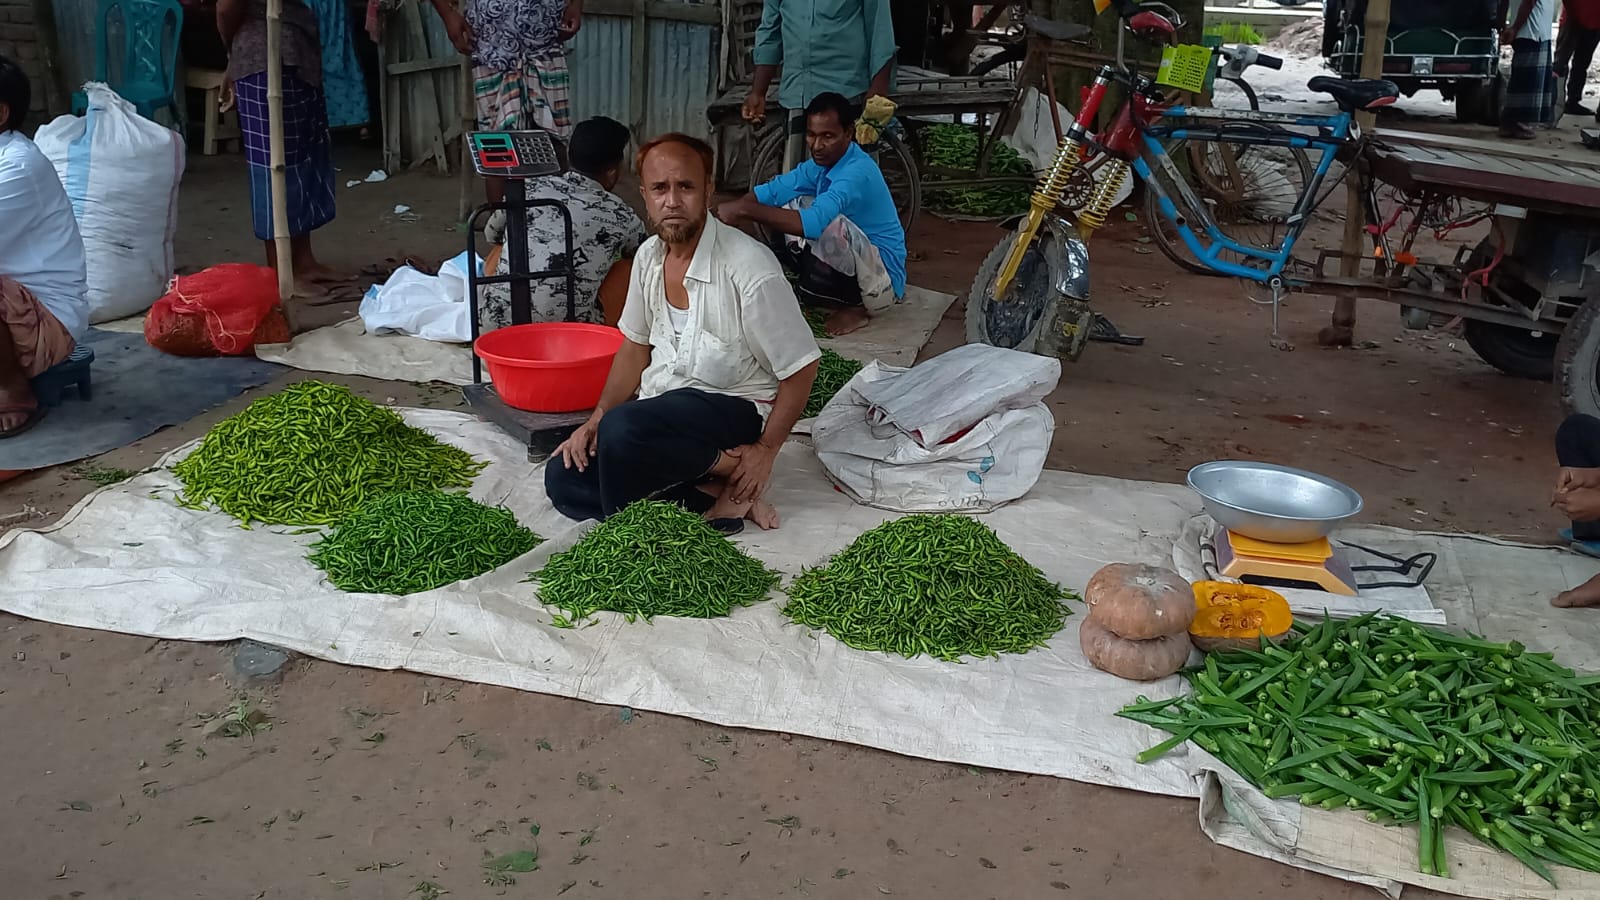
x: 836, y: 224
x: 718, y: 352
x: 44, y: 306
x: 605, y: 234
x: 1577, y: 495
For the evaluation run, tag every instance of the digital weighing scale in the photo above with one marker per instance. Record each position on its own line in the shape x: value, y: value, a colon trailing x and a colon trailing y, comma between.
x: 1315, y: 564
x: 517, y: 156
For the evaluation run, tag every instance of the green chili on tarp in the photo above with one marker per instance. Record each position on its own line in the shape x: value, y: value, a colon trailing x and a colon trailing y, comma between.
x: 411, y: 541
x: 941, y: 585
x: 652, y: 559
x: 312, y: 453
x: 833, y: 372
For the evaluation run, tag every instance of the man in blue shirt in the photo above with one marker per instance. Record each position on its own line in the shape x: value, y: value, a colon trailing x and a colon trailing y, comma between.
x: 838, y: 227
x: 844, y: 46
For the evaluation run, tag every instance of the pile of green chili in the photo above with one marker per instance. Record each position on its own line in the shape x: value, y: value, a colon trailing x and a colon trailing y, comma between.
x: 955, y: 148
x: 941, y: 585
x: 411, y: 541
x: 310, y: 454
x: 652, y: 559
x: 1412, y: 724
x: 833, y: 373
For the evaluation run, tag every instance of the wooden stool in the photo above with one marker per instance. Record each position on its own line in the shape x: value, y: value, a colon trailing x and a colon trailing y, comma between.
x: 219, y: 126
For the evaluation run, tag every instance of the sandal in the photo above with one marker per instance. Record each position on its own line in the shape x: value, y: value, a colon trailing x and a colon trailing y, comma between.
x: 727, y: 527
x: 33, y: 418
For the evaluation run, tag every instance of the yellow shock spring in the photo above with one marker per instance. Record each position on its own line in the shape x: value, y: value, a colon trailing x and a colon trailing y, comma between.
x: 1044, y: 199
x: 1093, y: 215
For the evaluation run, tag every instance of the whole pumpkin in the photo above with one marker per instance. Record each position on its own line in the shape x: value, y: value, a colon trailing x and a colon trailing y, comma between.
x: 1140, y: 602
x: 1136, y: 660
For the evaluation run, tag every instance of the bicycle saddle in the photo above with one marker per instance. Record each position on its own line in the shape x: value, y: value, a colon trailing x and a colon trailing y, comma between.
x: 1356, y: 93
x: 1055, y: 29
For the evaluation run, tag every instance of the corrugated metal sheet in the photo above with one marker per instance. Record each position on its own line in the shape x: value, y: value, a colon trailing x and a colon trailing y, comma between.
x: 680, y: 79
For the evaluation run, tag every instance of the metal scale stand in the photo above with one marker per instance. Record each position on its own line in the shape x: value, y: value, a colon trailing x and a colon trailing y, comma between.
x: 517, y: 156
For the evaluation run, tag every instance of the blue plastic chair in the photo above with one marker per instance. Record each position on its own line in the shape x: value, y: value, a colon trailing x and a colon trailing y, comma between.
x: 148, y: 70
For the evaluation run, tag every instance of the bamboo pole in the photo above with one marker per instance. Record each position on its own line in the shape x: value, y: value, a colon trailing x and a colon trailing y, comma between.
x: 280, y: 171
x: 1341, y: 331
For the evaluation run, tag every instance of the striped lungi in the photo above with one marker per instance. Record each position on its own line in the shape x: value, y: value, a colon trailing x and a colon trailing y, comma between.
x: 307, y: 153
x: 524, y: 98
x: 1530, y: 92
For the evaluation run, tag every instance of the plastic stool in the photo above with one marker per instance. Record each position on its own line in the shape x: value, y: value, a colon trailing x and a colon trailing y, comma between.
x: 220, y: 127
x: 52, y: 383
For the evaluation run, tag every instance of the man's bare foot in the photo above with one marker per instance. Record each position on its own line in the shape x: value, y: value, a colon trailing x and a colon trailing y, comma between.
x: 727, y: 509
x: 764, y: 514
x: 317, y: 273
x: 1586, y: 594
x: 844, y: 321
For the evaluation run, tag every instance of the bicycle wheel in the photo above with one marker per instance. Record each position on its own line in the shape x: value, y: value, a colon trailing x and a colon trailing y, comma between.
x: 893, y: 155
x: 1249, y: 196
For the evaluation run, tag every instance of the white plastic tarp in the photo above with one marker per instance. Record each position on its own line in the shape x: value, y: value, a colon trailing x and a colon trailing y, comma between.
x: 128, y: 559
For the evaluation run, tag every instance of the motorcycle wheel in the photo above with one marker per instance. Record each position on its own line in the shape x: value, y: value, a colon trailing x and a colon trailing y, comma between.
x: 1017, y: 322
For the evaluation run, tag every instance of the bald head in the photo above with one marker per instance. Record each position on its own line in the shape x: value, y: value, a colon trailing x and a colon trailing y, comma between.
x: 675, y: 178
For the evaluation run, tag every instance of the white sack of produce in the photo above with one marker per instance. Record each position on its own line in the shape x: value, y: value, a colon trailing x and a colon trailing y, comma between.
x: 431, y: 307
x: 121, y: 172
x: 947, y: 394
x: 998, y: 460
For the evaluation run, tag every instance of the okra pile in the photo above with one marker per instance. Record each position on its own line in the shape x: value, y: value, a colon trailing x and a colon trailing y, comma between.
x: 310, y: 454
x: 652, y: 559
x: 412, y: 541
x: 941, y: 585
x: 833, y: 373
x: 1413, y: 725
x: 955, y: 148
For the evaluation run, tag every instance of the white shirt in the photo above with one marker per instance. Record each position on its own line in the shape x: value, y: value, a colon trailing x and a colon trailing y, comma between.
x: 1541, y: 20
x: 744, y: 332
x: 39, y: 242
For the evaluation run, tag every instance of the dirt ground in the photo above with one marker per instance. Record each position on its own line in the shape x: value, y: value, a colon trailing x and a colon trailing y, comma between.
x: 137, y: 769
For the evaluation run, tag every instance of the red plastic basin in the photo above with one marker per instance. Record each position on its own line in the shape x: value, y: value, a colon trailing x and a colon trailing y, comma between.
x: 550, y: 367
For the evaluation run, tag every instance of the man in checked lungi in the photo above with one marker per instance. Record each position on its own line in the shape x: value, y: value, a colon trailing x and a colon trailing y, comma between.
x: 519, y: 66
x: 307, y: 145
x: 1530, y: 93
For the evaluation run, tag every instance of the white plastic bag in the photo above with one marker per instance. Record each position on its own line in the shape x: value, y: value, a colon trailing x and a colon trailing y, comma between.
x: 121, y: 172
x: 955, y: 389
x: 998, y: 460
x: 431, y: 307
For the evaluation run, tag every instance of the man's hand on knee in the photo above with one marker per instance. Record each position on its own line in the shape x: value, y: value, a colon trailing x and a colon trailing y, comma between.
x: 579, y: 448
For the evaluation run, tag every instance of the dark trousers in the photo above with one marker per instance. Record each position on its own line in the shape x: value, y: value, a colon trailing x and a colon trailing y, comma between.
x: 659, y: 448
x: 1574, y: 54
x: 814, y: 278
x: 1578, y: 447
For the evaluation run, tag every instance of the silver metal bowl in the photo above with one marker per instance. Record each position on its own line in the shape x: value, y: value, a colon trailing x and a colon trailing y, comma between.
x: 1273, y: 503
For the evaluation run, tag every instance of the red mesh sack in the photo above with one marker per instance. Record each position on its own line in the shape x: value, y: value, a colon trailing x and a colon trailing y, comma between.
x: 221, y: 311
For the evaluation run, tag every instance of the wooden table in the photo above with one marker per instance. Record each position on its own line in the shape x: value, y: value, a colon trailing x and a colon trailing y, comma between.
x: 1558, y: 180
x: 918, y: 92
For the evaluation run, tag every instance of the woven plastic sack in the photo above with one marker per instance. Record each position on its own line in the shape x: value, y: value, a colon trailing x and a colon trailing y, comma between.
x: 121, y: 172
x: 225, y: 310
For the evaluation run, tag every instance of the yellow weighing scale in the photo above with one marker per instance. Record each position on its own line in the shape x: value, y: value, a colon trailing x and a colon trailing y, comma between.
x: 1313, y: 564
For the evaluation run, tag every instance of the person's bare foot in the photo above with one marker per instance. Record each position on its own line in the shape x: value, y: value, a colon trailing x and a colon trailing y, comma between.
x: 763, y: 514
x: 1586, y: 594
x: 318, y: 273
x: 727, y: 509
x: 843, y: 321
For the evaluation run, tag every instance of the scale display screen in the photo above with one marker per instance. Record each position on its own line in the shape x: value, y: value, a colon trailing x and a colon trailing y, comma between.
x: 514, y: 154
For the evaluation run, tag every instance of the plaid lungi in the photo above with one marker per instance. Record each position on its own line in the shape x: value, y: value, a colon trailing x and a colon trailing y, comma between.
x: 307, y: 153
x: 525, y: 98
x: 1530, y: 92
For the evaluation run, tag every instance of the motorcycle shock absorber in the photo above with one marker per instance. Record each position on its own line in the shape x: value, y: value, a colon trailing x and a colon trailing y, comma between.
x: 1093, y: 215
x: 1048, y: 192
x: 1044, y: 199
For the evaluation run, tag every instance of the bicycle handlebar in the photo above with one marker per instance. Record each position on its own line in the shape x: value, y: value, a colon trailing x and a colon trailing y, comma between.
x: 1271, y: 62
